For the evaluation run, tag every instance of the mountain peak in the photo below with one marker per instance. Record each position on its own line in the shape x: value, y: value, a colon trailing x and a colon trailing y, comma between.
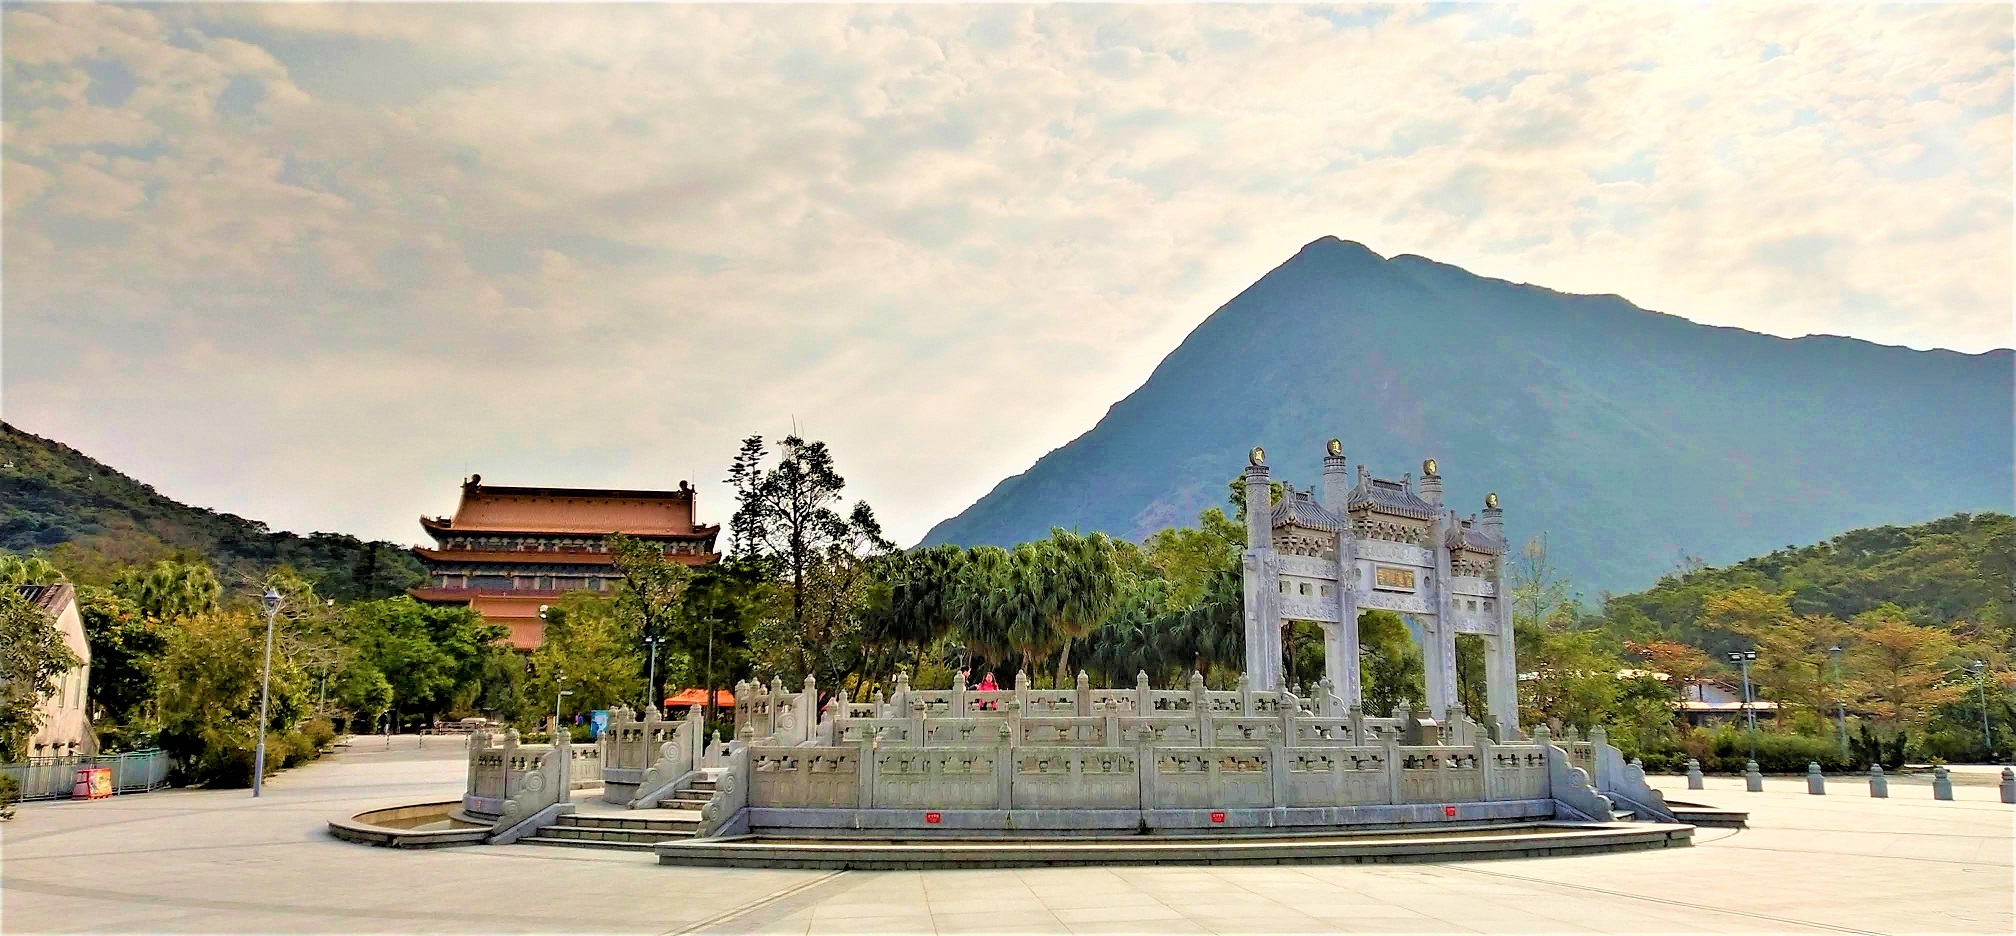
x: 1332, y: 246
x: 1627, y: 437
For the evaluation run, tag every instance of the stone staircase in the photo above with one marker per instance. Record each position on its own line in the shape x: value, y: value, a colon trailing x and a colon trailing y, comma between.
x: 677, y: 817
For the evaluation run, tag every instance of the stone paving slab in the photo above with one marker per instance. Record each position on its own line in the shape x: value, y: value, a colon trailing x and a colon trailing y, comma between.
x: 219, y: 862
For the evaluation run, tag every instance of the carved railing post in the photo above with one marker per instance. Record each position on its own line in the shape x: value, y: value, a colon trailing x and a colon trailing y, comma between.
x: 1144, y: 697
x: 1084, y: 695
x: 1200, y: 709
x: 959, y: 695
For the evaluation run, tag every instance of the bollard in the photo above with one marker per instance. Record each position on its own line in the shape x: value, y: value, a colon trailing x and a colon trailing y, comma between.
x: 1815, y: 783
x: 1879, y: 785
x: 2008, y: 785
x: 1753, y: 779
x: 1942, y: 784
x: 1693, y: 774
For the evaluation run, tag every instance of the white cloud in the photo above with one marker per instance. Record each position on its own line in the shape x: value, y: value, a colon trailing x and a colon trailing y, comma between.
x: 598, y: 244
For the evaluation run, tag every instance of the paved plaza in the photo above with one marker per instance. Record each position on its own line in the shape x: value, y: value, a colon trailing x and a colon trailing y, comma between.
x: 219, y: 862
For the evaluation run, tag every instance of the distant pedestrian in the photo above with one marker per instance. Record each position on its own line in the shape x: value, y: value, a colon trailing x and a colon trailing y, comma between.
x: 987, y: 684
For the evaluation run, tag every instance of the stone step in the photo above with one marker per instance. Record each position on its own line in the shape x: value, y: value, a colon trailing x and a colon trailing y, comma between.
x: 684, y: 800
x: 674, y: 821
x: 594, y: 835
x: 543, y: 839
x: 1623, y: 815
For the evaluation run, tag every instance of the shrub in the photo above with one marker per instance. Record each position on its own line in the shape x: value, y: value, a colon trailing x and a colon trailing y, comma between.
x: 10, y: 793
x: 1726, y: 749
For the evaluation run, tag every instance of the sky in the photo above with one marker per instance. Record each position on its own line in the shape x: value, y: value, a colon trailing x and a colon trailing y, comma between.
x: 312, y: 264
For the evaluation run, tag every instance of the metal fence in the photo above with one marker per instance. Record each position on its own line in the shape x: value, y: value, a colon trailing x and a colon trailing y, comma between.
x: 44, y: 778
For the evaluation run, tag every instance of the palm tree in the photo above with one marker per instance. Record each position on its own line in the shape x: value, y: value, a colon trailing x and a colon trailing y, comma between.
x: 977, y: 594
x: 169, y: 589
x: 1027, y: 605
x: 1128, y: 642
x: 912, y: 602
x: 1084, y: 586
x: 1212, y: 633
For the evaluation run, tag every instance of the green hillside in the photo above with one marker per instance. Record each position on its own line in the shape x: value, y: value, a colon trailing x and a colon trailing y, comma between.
x: 90, y: 519
x: 1628, y: 437
x: 1959, y: 571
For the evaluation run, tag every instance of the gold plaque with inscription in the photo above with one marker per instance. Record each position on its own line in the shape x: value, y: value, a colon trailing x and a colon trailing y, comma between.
x: 1389, y: 579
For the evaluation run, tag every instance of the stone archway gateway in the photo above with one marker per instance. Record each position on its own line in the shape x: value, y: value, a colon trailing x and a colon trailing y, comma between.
x: 1375, y: 544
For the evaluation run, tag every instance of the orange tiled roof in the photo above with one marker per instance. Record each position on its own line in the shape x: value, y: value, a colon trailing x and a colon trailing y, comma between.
x: 539, y: 556
x: 722, y: 698
x: 501, y: 509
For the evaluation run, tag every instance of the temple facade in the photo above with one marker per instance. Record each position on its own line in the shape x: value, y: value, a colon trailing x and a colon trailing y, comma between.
x: 1365, y: 544
x: 507, y: 551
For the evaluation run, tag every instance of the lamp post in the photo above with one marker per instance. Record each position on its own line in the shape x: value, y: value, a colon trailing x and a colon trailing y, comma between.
x: 1840, y: 704
x: 272, y: 602
x: 1980, y: 668
x: 556, y: 711
x: 707, y: 710
x: 1744, y: 658
x: 651, y: 696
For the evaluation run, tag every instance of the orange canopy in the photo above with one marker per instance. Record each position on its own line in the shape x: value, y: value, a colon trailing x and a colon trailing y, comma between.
x: 684, y: 697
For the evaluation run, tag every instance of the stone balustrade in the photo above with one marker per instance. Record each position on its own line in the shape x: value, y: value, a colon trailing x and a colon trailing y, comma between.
x: 511, y: 783
x: 1080, y: 758
x: 1072, y: 760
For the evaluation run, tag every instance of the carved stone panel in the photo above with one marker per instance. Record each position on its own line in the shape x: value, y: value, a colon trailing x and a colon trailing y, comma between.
x: 1309, y: 567
x: 1310, y: 608
x: 1460, y: 584
x: 1397, y: 553
x: 1394, y: 601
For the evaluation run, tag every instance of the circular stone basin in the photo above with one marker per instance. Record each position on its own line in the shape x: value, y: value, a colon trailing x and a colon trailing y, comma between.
x: 423, y: 825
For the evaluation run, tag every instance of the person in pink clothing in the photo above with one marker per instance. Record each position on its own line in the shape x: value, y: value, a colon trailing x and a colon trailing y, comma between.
x: 987, y: 684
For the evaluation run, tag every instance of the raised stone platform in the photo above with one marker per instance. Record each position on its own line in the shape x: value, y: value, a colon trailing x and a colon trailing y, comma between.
x: 1448, y: 844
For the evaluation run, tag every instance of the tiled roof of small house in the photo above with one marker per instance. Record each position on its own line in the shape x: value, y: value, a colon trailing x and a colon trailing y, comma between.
x: 1299, y: 508
x: 49, y: 598
x: 1389, y: 497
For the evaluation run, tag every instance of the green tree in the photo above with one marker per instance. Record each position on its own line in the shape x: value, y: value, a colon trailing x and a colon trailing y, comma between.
x: 207, y: 693
x: 1390, y: 667
x: 911, y: 602
x: 32, y: 656
x: 28, y: 570
x: 1188, y: 556
x: 124, y: 645
x: 1083, y: 585
x: 1210, y: 636
x: 171, y: 589
x: 590, y: 651
x: 718, y: 610
x: 788, y: 516
x: 1129, y: 641
x: 649, y: 597
x: 428, y: 654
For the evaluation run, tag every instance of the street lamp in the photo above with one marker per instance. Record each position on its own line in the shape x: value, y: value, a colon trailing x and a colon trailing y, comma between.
x: 651, y: 683
x: 1980, y: 668
x: 1840, y: 704
x: 1744, y: 658
x: 556, y: 711
x: 272, y: 602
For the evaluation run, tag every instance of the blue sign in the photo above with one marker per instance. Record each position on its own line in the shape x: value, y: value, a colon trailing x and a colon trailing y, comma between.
x: 599, y: 723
